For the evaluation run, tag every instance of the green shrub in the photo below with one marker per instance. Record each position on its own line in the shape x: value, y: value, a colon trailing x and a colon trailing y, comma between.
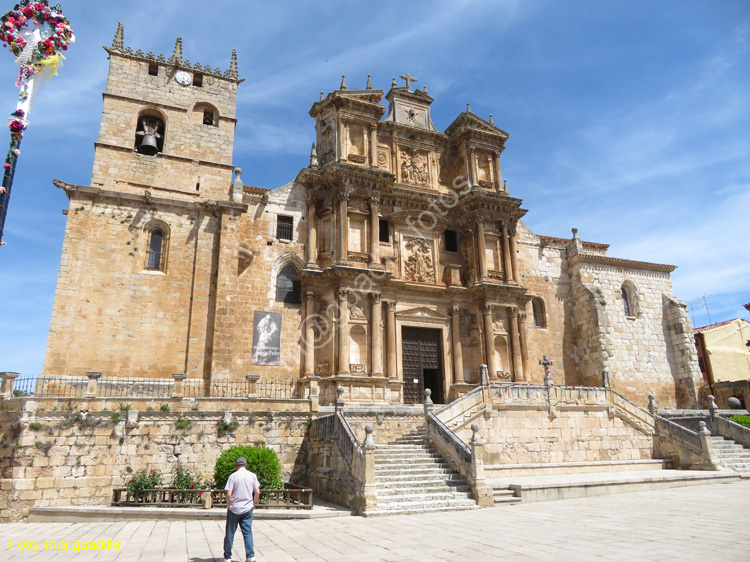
x: 225, y: 428
x: 260, y: 460
x: 164, y: 407
x: 144, y: 480
x: 742, y: 420
x: 116, y: 418
x: 182, y: 423
x: 35, y: 426
x: 185, y: 480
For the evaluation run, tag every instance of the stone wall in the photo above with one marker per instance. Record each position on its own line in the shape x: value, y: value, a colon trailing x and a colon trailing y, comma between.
x: 52, y: 455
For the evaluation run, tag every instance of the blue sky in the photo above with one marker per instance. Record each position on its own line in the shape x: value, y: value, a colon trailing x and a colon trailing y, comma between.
x: 628, y: 119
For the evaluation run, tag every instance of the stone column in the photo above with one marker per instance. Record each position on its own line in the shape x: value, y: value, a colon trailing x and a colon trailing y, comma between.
x: 8, y: 380
x: 94, y: 377
x: 472, y: 163
x: 343, y: 332
x: 312, y: 234
x: 481, y: 250
x: 309, y: 334
x: 498, y: 178
x: 513, y: 259
x: 524, y: 346
x: 179, y: 385
x: 343, y: 228
x: 340, y: 144
x: 515, y: 344
x: 458, y: 358
x: 391, y: 340
x: 482, y: 493
x: 376, y: 335
x: 506, y: 255
x: 374, y: 233
x: 374, y: 146
x: 489, y: 340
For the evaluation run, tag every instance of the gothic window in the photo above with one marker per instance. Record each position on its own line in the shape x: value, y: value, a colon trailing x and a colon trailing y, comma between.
x: 156, y: 252
x: 540, y: 315
x: 149, y: 134
x: 284, y: 227
x: 287, y: 286
x: 451, y: 241
x: 384, y: 234
x: 629, y: 299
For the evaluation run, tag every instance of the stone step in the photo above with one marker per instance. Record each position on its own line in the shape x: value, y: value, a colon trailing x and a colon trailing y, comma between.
x: 427, y: 489
x: 407, y: 456
x: 421, y: 483
x: 420, y: 504
x: 417, y: 476
x: 505, y: 497
x: 448, y: 497
x: 412, y: 511
x: 435, y: 468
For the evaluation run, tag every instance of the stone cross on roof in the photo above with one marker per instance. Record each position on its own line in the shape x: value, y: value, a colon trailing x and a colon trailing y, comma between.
x: 409, y: 79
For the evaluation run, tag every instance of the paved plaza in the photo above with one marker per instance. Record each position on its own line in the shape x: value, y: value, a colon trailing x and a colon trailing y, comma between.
x: 706, y: 523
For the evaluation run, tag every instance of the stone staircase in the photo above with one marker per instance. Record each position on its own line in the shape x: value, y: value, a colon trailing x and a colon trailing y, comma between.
x: 731, y: 454
x: 412, y: 478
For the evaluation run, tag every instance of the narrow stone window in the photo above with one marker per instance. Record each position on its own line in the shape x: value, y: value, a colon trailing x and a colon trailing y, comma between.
x: 198, y: 80
x: 451, y: 241
x: 384, y: 233
x: 155, y: 255
x: 153, y: 69
x: 626, y: 302
x: 629, y: 299
x: 540, y: 315
x: 287, y: 286
x: 284, y: 227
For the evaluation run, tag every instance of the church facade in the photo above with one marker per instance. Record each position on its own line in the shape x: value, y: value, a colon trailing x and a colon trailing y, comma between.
x: 395, y: 262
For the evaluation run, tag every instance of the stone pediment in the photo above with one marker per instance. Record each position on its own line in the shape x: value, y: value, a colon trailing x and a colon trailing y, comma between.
x: 468, y: 120
x: 422, y: 312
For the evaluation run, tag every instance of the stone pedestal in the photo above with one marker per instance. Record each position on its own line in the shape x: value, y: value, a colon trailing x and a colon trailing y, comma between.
x: 94, y: 377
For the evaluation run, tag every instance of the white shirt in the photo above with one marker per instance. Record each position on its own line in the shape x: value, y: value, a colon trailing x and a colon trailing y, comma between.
x: 241, y: 483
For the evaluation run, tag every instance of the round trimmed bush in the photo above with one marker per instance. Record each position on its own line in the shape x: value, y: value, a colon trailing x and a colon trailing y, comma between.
x: 260, y: 460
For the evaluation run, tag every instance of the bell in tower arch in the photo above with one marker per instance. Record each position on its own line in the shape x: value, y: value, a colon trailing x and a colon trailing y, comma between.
x: 148, y: 138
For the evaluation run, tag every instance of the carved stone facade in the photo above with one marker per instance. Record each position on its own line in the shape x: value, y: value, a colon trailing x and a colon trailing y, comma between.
x: 394, y: 226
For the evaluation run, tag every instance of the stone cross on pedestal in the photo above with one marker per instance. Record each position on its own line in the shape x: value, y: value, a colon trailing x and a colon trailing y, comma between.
x: 409, y: 79
x: 547, y: 376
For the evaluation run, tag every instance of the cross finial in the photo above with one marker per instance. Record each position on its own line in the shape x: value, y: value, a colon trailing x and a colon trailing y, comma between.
x: 409, y: 79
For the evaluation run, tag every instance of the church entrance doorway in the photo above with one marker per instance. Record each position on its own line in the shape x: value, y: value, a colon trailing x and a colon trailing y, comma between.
x: 422, y: 356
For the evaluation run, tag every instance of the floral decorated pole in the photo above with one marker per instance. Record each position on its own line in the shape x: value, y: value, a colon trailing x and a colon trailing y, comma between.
x: 36, y: 34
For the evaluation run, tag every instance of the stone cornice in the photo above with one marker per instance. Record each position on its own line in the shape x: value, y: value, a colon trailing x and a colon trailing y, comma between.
x: 164, y: 155
x: 142, y: 102
x: 620, y: 262
x: 119, y: 197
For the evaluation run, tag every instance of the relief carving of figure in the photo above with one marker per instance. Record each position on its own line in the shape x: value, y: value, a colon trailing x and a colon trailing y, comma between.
x: 356, y: 313
x: 414, y: 168
x: 498, y: 321
x: 419, y: 266
x: 326, y: 142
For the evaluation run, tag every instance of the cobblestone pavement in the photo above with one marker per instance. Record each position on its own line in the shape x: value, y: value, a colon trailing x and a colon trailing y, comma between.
x: 705, y: 523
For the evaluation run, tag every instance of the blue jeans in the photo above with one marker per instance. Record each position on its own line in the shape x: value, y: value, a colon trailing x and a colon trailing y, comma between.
x: 245, y: 521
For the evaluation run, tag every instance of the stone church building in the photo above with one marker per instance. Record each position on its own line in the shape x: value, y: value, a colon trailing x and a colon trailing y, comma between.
x: 395, y: 262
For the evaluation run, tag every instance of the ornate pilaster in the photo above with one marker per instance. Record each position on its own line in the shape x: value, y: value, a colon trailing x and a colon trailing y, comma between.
x: 312, y: 233
x: 481, y: 249
x: 309, y: 334
x: 489, y: 340
x: 458, y: 358
x: 524, y: 346
x: 515, y: 344
x: 373, y: 145
x: 374, y: 232
x: 343, y: 332
x: 376, y: 335
x: 340, y: 144
x: 391, y: 340
x: 343, y: 227
x: 513, y: 259
x: 471, y: 157
x: 506, y: 255
x: 498, y: 180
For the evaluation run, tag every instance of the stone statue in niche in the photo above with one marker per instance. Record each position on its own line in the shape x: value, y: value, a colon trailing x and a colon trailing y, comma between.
x: 414, y: 167
x: 484, y: 168
x: 419, y: 265
x: 498, y: 321
x: 326, y: 140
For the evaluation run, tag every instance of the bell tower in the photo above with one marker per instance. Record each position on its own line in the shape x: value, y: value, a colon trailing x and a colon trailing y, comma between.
x: 167, y: 125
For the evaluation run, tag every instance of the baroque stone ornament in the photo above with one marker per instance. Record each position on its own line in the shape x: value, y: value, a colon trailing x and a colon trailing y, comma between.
x: 414, y: 167
x: 419, y: 265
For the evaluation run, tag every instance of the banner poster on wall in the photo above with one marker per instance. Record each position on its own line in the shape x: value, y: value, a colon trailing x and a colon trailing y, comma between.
x: 266, y: 338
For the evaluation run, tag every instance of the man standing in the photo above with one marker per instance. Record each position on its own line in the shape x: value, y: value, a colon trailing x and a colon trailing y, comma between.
x: 243, y: 491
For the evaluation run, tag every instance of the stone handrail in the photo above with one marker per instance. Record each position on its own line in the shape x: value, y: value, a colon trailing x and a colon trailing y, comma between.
x: 444, y: 439
x: 334, y: 428
x: 732, y: 430
x: 677, y: 432
x: 631, y: 409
